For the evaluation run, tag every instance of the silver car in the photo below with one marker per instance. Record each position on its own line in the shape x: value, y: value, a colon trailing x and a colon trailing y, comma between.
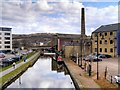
x: 117, y: 78
x: 92, y: 58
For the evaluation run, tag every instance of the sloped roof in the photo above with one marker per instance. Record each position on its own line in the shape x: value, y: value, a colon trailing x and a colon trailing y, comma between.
x: 108, y: 28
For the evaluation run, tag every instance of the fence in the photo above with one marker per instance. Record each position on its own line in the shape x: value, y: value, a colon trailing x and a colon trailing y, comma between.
x: 110, y: 78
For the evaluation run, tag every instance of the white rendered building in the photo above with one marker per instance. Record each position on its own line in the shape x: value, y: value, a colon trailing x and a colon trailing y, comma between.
x: 5, y: 39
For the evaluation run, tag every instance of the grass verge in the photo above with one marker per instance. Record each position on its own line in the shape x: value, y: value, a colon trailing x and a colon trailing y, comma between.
x: 12, y: 74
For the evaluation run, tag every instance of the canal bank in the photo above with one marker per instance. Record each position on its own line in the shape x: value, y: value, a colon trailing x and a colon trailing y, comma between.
x: 18, y: 71
x: 77, y: 74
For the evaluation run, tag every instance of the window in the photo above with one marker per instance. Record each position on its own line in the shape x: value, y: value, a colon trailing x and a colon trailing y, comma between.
x: 100, y: 34
x: 100, y: 41
x: 0, y: 33
x: 7, y: 38
x: 111, y: 41
x: 0, y: 38
x: 7, y: 33
x: 105, y: 49
x: 0, y: 46
x: 95, y: 41
x: 7, y: 46
x: 105, y: 34
x: 95, y: 49
x: 111, y: 49
x: 7, y: 42
x: 100, y: 49
x: 0, y: 42
x: 105, y: 42
x: 111, y: 33
x: 95, y: 35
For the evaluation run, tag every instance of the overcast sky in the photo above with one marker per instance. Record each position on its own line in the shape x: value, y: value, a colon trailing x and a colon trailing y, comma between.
x: 56, y: 16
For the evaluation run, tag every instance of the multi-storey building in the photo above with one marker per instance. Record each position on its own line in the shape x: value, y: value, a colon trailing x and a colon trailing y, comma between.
x: 104, y: 39
x: 5, y: 39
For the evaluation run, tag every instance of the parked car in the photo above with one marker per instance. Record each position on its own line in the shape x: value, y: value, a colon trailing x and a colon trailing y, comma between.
x: 2, y: 55
x: 7, y: 61
x: 107, y: 56
x: 102, y: 56
x: 3, y: 64
x: 117, y: 78
x: 92, y: 57
x: 20, y: 56
x: 16, y: 58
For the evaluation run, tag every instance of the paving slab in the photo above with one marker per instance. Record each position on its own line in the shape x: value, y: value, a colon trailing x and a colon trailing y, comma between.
x: 78, y: 74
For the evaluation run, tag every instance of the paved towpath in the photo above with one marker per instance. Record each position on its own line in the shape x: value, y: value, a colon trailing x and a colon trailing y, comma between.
x: 16, y: 66
x: 78, y: 75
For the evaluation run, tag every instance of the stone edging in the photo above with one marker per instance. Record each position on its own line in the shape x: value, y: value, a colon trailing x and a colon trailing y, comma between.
x: 75, y: 81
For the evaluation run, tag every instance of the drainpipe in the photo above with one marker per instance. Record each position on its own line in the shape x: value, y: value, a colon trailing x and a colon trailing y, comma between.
x: 118, y: 43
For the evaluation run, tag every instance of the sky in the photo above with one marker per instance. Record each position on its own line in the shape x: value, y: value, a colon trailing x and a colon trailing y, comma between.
x: 56, y: 16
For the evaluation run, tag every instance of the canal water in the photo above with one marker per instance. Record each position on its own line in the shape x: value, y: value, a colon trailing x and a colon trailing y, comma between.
x: 45, y: 73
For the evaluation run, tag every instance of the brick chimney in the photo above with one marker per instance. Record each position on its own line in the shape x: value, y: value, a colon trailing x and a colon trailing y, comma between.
x: 82, y: 22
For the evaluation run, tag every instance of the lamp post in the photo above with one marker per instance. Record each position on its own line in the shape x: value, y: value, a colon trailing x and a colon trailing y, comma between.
x: 81, y: 52
x: 97, y: 58
x: 91, y: 43
x: 85, y: 55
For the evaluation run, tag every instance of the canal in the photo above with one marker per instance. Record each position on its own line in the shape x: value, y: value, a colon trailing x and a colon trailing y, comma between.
x: 45, y: 73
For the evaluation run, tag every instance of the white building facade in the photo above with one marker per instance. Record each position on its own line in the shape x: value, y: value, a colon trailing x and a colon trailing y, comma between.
x: 5, y: 39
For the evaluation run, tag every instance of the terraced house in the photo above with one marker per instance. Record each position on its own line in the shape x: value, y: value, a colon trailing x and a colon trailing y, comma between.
x: 5, y: 39
x: 105, y: 39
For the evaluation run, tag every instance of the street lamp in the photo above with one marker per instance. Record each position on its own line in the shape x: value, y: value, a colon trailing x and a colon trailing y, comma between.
x: 97, y: 57
x: 91, y: 43
x: 81, y: 52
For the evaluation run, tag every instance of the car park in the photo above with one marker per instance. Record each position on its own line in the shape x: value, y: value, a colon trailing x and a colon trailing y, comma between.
x: 117, y: 78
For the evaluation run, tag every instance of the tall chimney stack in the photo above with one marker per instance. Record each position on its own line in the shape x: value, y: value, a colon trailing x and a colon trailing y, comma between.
x: 82, y: 22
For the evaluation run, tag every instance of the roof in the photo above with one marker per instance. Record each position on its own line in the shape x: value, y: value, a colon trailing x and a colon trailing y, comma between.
x: 5, y: 29
x: 107, y: 28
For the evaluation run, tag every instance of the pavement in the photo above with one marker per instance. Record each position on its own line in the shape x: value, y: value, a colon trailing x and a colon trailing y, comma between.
x: 79, y: 75
x: 16, y: 66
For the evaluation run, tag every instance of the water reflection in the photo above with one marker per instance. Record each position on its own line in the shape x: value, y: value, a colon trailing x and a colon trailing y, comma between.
x: 46, y: 73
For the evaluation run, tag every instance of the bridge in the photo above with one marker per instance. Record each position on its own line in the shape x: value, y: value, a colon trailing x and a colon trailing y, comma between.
x: 40, y: 47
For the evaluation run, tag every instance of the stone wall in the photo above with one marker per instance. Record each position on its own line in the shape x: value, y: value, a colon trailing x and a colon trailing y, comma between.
x: 73, y: 50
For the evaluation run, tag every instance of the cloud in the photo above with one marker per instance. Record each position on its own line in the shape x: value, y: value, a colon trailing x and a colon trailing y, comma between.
x: 43, y: 5
x: 54, y: 17
x: 95, y: 17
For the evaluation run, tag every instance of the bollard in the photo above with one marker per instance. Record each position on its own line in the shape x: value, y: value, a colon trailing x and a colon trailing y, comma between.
x: 105, y: 72
x: 85, y: 66
x: 77, y: 58
x: 89, y: 70
x: 111, y: 78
